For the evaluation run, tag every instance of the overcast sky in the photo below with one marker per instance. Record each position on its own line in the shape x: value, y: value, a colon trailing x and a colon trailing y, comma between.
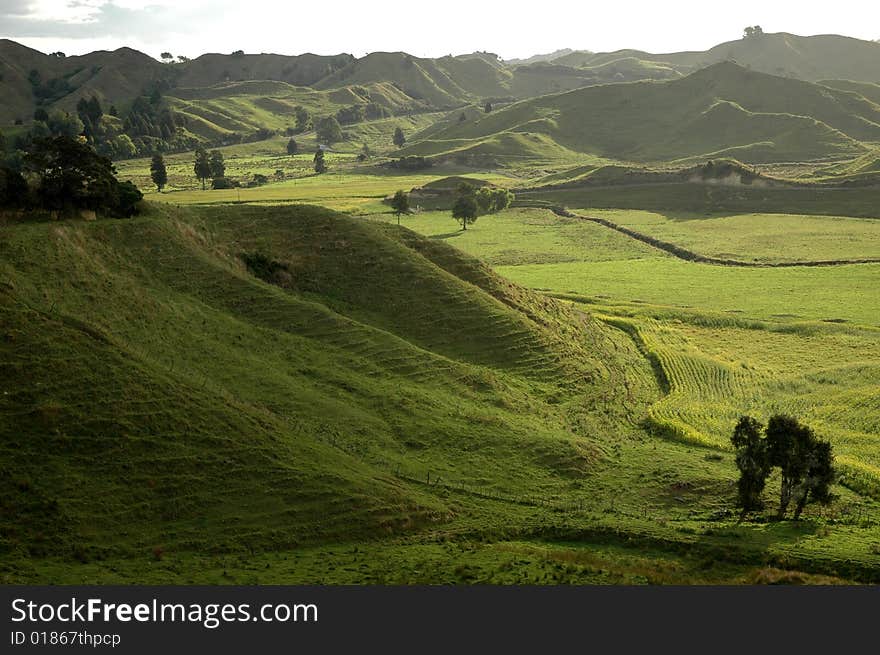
x: 439, y: 27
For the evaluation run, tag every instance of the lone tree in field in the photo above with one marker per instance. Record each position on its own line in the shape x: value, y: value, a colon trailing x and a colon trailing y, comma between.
x: 320, y: 166
x: 400, y: 204
x: 202, y: 166
x: 488, y: 107
x: 218, y: 166
x: 292, y: 147
x: 465, y: 209
x: 158, y: 173
x: 399, y: 139
x: 806, y: 463
x: 753, y: 463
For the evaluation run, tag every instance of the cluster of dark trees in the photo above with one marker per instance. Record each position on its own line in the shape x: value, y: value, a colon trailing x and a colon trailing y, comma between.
x: 211, y: 166
x: 411, y: 163
x: 328, y: 130
x: 753, y: 32
x: 472, y: 202
x: 149, y: 126
x: 358, y: 113
x: 805, y: 463
x: 65, y: 174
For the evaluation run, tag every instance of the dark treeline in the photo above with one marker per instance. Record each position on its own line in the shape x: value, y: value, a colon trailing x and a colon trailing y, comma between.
x: 64, y: 175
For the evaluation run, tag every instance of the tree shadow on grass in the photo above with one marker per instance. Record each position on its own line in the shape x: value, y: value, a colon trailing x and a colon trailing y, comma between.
x: 448, y: 235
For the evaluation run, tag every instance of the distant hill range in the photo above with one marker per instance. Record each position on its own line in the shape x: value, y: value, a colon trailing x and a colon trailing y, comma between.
x: 724, y: 110
x: 119, y: 76
x: 771, y: 97
x: 811, y: 58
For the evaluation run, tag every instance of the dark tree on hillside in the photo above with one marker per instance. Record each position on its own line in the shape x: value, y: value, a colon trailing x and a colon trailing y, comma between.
x: 816, y: 485
x: 328, y: 130
x: 488, y: 107
x: 89, y: 112
x: 805, y: 462
x: 292, y: 147
x: 400, y: 204
x: 41, y: 114
x: 753, y: 32
x: 788, y: 446
x: 218, y: 166
x: 113, y: 111
x: 167, y: 57
x: 2, y: 142
x: 303, y: 118
x: 399, y: 138
x: 61, y: 123
x: 462, y: 118
x: 73, y: 176
x: 753, y: 462
x: 158, y: 172
x: 320, y: 165
x: 202, y: 166
x: 13, y: 188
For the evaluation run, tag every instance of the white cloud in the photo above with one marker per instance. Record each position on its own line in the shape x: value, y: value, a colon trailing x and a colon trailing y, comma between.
x: 510, y: 29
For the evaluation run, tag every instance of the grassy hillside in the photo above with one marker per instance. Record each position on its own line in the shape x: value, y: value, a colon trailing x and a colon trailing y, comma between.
x: 245, y: 107
x: 868, y: 90
x: 725, y: 340
x: 724, y: 110
x: 299, y: 70
x: 419, y: 78
x: 378, y: 401
x: 114, y: 77
x: 151, y: 380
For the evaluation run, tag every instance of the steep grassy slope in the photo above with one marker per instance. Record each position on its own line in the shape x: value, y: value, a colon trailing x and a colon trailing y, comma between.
x: 157, y: 395
x: 245, y: 107
x: 724, y: 110
x: 868, y: 90
x: 114, y: 77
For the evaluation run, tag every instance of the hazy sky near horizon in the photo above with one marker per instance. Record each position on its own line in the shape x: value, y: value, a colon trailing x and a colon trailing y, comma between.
x: 510, y: 29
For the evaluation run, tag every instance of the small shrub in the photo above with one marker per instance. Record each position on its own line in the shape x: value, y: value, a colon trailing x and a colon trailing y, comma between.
x: 224, y: 183
x: 263, y: 267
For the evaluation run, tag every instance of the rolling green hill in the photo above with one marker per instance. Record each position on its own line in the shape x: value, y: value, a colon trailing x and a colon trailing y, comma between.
x: 723, y: 110
x: 299, y: 70
x: 114, y: 77
x: 159, y: 394
x: 245, y: 107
